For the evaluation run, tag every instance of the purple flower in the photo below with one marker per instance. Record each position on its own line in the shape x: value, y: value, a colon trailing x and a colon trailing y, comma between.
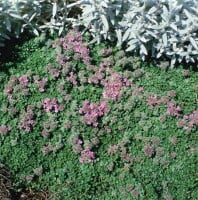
x: 27, y: 120
x: 105, y: 52
x: 112, y: 149
x: 41, y: 84
x: 50, y: 104
x: 153, y: 101
x: 23, y: 80
x: 72, y: 78
x: 193, y: 117
x: 87, y: 156
x: 189, y: 120
x: 149, y: 150
x: 113, y: 86
x: 72, y: 45
x: 172, y: 109
x: 4, y: 129
x: 92, y: 112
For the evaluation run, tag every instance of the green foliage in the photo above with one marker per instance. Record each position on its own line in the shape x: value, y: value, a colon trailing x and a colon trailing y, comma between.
x: 140, y: 151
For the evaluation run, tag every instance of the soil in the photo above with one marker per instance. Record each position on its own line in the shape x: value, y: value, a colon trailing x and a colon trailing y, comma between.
x: 7, y: 192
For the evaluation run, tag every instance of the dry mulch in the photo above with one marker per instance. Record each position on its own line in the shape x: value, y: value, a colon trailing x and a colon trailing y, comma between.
x: 7, y: 192
x: 30, y: 195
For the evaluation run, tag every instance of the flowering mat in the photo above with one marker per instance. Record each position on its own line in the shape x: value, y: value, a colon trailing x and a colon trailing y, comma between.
x: 90, y: 122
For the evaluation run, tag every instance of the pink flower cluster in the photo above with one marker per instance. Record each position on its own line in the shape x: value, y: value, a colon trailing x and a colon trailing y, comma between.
x: 96, y: 77
x: 8, y: 90
x: 27, y: 121
x: 105, y: 52
x: 172, y: 109
x: 53, y: 71
x: 189, y: 120
x: 153, y: 101
x: 113, y: 87
x: 73, y: 44
x: 82, y: 51
x: 112, y: 149
x: 23, y: 80
x: 72, y: 78
x: 92, y: 112
x: 4, y: 129
x: 149, y: 150
x: 87, y: 156
x: 41, y: 83
x: 50, y: 104
x: 76, y: 144
x: 16, y: 85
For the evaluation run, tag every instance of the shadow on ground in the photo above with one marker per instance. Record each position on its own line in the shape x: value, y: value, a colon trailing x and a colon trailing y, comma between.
x: 7, y: 192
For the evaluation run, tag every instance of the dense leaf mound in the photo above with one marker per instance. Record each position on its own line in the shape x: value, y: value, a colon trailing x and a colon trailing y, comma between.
x: 89, y: 122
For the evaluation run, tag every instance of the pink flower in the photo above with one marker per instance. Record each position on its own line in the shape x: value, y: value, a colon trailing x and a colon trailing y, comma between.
x: 185, y: 117
x: 141, y: 89
x: 112, y: 149
x: 72, y: 44
x: 87, y: 156
x: 4, y: 129
x: 193, y: 117
x: 172, y: 109
x: 153, y: 101
x: 27, y: 120
x: 105, y: 52
x: 149, y: 150
x: 162, y: 119
x: 189, y: 120
x: 23, y: 80
x: 50, y: 104
x: 113, y: 86
x: 185, y: 127
x: 79, y: 141
x: 41, y: 84
x: 10, y: 96
x: 72, y: 78
x: 70, y: 39
x: 92, y: 112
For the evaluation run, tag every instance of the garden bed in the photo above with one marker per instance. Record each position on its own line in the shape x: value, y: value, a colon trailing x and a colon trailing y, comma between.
x: 87, y: 121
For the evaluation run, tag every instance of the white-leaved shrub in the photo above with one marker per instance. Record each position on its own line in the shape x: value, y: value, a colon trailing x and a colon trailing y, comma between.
x: 101, y: 18
x: 167, y: 28
x: 160, y: 27
x: 33, y: 15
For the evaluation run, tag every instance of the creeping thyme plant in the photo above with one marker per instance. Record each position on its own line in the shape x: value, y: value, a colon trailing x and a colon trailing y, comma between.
x: 88, y: 122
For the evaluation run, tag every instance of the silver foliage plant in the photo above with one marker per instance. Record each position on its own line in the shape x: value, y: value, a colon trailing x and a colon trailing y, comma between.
x: 34, y: 15
x: 101, y: 18
x: 163, y: 27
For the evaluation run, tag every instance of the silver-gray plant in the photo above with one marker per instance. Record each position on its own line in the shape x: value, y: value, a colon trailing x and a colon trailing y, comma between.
x: 163, y: 27
x: 158, y: 27
x: 34, y: 15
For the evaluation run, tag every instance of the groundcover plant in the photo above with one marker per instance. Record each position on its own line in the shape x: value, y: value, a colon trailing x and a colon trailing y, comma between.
x: 88, y: 122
